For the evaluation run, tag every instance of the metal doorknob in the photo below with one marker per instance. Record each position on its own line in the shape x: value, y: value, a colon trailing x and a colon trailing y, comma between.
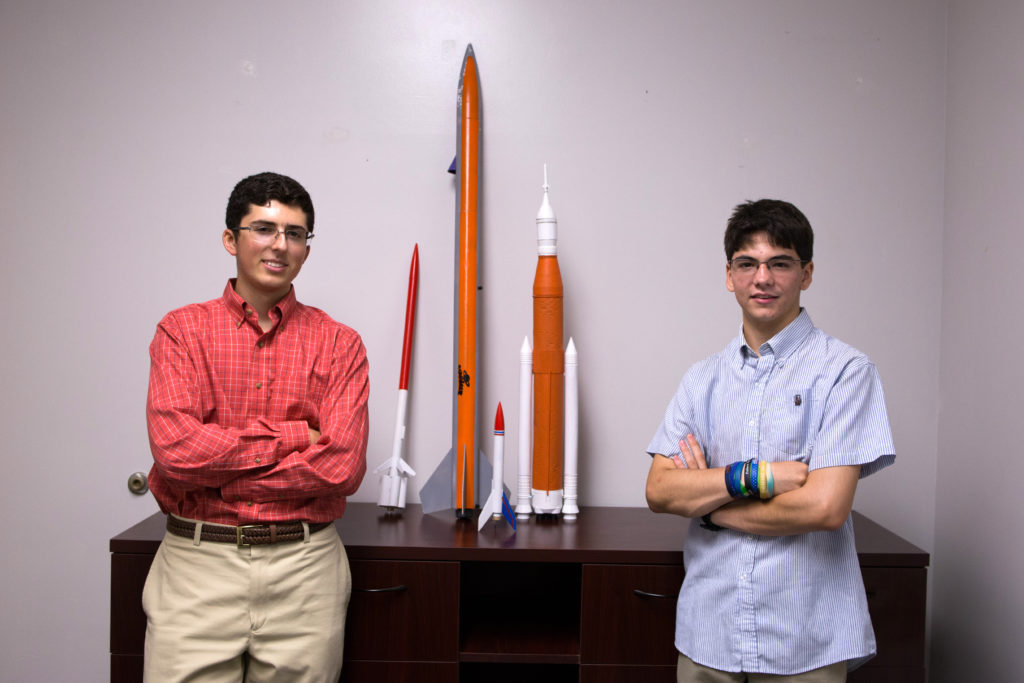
x: 138, y: 484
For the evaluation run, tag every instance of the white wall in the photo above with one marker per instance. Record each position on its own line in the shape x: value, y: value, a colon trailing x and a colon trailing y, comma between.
x: 125, y: 125
x: 979, y: 559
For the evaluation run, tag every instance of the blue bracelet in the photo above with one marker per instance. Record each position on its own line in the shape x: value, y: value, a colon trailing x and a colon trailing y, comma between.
x: 732, y: 480
x: 730, y: 485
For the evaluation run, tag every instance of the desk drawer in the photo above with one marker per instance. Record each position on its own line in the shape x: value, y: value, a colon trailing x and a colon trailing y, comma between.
x: 629, y: 614
x: 403, y: 611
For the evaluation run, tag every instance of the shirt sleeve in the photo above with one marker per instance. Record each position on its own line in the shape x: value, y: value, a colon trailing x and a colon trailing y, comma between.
x: 193, y: 453
x: 854, y: 426
x: 677, y: 423
x: 336, y: 463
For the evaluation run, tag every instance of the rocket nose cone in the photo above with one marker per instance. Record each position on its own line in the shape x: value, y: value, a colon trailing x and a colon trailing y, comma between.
x: 545, y: 212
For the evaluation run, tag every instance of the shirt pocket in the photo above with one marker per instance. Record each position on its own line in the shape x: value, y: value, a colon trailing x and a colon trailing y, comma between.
x: 300, y: 389
x: 787, y: 418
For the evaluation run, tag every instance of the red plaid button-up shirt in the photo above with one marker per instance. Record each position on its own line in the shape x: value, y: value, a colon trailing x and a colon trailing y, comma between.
x: 229, y: 405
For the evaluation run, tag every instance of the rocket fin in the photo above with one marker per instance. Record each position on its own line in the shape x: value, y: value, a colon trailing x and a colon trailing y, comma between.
x: 401, y: 467
x: 491, y: 507
x: 439, y: 491
x: 506, y: 511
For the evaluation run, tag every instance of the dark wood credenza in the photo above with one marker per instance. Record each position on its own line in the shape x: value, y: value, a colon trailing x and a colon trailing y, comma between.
x: 590, y: 601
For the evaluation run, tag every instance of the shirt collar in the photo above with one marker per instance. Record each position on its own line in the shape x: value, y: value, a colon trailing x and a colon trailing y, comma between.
x: 240, y: 310
x: 783, y: 344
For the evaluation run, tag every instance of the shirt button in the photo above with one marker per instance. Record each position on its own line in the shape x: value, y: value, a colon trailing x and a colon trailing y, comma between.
x: 249, y: 502
x: 261, y: 344
x: 258, y: 462
x: 751, y: 423
x: 259, y: 384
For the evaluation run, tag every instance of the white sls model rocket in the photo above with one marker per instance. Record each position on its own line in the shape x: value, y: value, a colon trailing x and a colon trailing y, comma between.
x: 550, y: 482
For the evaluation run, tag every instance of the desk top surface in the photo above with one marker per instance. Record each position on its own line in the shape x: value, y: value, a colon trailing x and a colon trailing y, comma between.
x: 600, y: 534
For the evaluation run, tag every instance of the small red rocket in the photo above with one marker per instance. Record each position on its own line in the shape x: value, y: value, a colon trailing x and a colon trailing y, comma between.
x: 497, y: 505
x: 395, y: 472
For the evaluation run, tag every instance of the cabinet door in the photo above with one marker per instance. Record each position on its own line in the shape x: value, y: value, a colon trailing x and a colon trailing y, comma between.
x: 403, y: 611
x: 896, y: 601
x: 128, y: 573
x: 629, y: 614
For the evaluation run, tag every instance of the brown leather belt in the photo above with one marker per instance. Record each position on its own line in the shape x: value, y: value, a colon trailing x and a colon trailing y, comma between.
x: 248, y: 534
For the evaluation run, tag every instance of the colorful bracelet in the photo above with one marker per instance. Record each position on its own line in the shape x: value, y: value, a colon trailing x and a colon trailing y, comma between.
x: 733, y: 476
x: 750, y: 479
x: 728, y: 481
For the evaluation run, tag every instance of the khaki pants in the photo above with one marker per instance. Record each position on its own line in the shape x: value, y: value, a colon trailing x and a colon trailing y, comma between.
x: 216, y: 612
x: 688, y: 671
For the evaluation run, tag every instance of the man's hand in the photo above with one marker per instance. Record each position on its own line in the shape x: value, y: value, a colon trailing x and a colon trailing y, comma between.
x: 789, y: 475
x: 314, y: 435
x: 692, y: 455
x: 683, y: 484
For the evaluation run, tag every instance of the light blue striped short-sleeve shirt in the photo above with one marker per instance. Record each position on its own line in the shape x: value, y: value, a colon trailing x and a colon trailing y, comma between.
x: 778, y: 605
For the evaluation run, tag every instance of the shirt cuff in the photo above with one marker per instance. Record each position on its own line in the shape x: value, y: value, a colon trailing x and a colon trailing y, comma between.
x: 294, y: 437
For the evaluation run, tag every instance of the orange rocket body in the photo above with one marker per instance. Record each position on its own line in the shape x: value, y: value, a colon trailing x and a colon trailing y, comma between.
x: 458, y: 467
x: 548, y: 375
x: 468, y: 160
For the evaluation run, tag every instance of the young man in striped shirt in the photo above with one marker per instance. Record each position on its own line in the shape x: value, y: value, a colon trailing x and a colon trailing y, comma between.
x: 762, y: 447
x: 258, y: 425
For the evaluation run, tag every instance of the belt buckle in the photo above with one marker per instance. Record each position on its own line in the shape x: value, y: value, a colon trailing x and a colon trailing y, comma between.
x: 240, y: 534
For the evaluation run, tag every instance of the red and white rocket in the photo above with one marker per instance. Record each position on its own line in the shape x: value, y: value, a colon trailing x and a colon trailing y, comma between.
x: 497, y: 505
x: 395, y: 471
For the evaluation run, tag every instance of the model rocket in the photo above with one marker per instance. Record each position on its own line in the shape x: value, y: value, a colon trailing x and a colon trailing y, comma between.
x: 524, y: 497
x: 395, y: 472
x: 572, y: 412
x: 548, y: 365
x: 437, y: 492
x: 497, y: 505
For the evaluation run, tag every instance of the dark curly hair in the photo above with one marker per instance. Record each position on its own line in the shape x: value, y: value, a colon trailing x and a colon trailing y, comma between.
x: 784, y: 224
x: 260, y: 190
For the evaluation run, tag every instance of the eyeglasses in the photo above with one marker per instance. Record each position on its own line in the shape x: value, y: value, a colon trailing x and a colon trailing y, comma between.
x: 266, y: 234
x: 779, y: 265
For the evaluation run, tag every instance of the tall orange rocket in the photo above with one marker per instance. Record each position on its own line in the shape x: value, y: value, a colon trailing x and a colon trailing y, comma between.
x: 548, y: 365
x: 467, y: 180
x: 437, y: 493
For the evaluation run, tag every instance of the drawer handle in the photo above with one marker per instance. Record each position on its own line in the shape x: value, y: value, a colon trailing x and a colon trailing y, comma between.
x: 645, y: 594
x: 390, y: 589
